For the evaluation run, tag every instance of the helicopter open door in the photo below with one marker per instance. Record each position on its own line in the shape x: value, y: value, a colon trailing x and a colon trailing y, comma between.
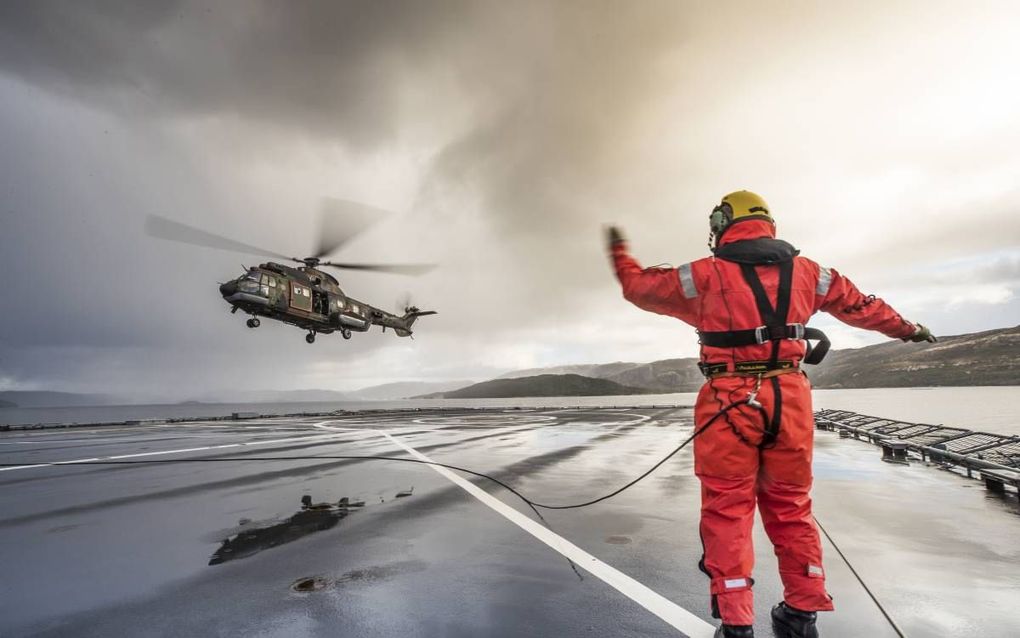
x: 300, y: 297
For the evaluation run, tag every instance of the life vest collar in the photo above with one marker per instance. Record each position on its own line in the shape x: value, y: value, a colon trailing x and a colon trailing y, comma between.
x: 763, y: 250
x: 752, y: 241
x: 747, y: 228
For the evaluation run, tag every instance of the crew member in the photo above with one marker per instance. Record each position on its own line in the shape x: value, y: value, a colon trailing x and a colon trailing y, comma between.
x: 750, y: 302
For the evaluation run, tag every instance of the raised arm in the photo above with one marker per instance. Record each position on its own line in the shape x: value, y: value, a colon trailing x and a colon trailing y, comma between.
x: 657, y: 290
x: 842, y: 300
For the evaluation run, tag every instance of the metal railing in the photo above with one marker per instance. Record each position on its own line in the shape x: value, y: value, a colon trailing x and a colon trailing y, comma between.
x: 967, y: 449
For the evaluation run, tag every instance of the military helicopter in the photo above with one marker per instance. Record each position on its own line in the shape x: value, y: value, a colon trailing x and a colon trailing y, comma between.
x: 305, y: 296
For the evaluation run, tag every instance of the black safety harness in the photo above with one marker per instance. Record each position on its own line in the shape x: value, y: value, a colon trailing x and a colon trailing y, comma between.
x: 774, y: 328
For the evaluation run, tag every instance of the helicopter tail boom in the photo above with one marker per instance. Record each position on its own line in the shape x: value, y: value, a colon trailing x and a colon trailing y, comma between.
x: 412, y: 314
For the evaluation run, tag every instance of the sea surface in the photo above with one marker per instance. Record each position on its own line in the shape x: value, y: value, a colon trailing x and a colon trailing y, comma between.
x: 986, y: 408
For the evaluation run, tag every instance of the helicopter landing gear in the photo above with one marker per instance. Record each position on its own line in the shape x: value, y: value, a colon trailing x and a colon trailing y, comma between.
x: 310, y: 337
x: 254, y: 322
x: 345, y: 333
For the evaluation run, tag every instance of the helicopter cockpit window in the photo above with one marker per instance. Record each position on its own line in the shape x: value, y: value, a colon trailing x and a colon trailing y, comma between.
x: 248, y: 284
x: 255, y: 282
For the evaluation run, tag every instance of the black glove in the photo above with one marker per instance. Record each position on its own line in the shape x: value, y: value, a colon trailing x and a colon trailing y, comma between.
x: 921, y: 333
x: 613, y: 236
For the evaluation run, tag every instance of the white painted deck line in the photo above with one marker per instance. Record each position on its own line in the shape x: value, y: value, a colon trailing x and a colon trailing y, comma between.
x: 673, y: 614
x: 318, y: 439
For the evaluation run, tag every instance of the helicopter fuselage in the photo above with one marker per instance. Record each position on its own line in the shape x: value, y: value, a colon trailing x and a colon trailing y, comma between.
x: 309, y: 299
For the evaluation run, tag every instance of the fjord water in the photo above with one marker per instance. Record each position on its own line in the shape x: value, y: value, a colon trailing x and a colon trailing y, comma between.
x: 987, y: 408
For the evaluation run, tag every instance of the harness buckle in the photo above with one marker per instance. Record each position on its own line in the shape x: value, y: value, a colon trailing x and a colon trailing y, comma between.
x: 761, y: 334
x: 797, y: 331
x: 752, y: 398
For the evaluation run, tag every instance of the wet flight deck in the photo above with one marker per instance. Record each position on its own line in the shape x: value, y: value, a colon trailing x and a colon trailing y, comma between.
x: 235, y: 528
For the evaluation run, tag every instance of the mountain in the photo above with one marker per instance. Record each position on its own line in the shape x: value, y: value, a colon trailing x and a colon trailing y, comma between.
x: 404, y: 389
x: 543, y: 385
x: 599, y: 370
x: 384, y: 392
x: 47, y: 399
x: 983, y: 358
x: 667, y: 375
x: 271, y: 396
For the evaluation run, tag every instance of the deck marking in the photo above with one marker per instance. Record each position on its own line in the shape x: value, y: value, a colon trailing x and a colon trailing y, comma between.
x: 673, y: 614
x: 317, y: 439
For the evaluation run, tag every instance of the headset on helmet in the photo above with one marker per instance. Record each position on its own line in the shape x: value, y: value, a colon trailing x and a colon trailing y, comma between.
x: 735, y: 207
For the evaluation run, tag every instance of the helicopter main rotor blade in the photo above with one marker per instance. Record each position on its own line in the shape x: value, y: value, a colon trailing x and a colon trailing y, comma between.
x: 163, y: 228
x: 397, y: 269
x: 342, y: 221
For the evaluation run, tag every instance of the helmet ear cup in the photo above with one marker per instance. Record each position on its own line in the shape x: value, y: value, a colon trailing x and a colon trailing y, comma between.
x: 721, y: 217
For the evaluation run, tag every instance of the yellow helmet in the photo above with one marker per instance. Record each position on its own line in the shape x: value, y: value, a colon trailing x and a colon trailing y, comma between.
x: 735, y: 207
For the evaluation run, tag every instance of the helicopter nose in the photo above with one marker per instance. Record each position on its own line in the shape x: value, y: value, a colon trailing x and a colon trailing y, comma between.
x: 228, y: 288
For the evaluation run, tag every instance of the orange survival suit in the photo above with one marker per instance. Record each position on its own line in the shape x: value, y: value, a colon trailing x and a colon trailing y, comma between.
x: 749, y: 302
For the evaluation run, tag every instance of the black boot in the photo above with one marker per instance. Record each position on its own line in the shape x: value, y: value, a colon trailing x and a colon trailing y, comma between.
x: 735, y: 631
x: 788, y: 622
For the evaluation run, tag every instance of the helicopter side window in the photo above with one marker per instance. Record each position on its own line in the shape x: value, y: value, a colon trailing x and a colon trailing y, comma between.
x: 268, y: 281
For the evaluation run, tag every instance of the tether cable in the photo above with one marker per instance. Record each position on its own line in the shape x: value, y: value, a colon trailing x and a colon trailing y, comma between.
x: 892, y: 623
x: 750, y: 400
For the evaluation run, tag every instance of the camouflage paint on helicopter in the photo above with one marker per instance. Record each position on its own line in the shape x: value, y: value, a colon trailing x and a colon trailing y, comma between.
x: 309, y: 299
x: 306, y: 296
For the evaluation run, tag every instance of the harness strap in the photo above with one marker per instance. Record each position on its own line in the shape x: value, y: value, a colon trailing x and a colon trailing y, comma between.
x: 764, y: 334
x: 745, y: 368
x: 752, y: 336
x: 772, y: 429
x: 773, y: 318
x: 774, y: 328
x: 815, y: 354
x: 764, y: 375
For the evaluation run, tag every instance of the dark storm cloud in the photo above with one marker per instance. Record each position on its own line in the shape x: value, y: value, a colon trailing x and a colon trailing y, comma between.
x: 552, y: 92
x: 553, y: 88
x: 507, y: 131
x: 327, y: 68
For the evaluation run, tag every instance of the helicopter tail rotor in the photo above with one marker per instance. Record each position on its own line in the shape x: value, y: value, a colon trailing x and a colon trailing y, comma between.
x: 410, y: 316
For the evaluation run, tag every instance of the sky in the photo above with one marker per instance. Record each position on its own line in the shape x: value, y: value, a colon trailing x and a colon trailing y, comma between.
x: 503, y: 137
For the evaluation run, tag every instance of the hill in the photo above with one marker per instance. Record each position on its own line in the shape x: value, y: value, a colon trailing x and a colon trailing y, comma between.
x: 404, y: 389
x: 543, y: 385
x: 47, y: 399
x: 667, y: 375
x: 983, y: 358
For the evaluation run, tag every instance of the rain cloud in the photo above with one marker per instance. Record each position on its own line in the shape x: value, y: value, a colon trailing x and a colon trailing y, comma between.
x: 503, y: 135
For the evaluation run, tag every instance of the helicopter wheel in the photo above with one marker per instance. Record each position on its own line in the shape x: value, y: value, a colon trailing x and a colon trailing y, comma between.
x: 310, y: 337
x: 345, y: 333
x: 254, y: 322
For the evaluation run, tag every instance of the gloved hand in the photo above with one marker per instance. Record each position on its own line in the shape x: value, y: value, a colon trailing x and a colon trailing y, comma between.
x: 613, y: 236
x: 921, y: 333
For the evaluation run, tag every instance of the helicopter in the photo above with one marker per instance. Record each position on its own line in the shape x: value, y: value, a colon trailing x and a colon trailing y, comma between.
x: 305, y: 296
